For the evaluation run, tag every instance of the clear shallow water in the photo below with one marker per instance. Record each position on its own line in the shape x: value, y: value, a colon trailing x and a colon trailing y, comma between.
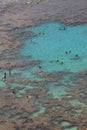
x: 2, y: 84
x: 52, y: 42
x: 57, y: 92
x: 66, y: 124
x: 50, y: 46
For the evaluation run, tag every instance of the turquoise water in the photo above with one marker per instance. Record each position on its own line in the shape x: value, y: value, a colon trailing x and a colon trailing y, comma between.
x: 56, y: 46
x: 57, y: 92
x: 2, y: 84
x: 66, y: 124
x: 51, y: 44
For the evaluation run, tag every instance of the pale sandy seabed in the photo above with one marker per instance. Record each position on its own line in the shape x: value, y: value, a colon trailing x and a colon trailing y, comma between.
x: 17, y: 113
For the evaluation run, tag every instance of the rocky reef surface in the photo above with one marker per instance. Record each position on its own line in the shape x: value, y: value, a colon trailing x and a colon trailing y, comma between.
x: 20, y: 107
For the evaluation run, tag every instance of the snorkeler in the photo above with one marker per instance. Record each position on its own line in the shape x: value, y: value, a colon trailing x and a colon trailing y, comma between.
x: 76, y: 55
x: 41, y: 33
x: 51, y: 61
x: 68, y: 52
x: 62, y: 28
x: 4, y: 76
x: 61, y: 63
x: 39, y: 67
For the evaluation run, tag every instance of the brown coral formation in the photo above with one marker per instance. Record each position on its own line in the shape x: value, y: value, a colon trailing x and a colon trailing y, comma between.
x: 20, y: 111
x: 22, y: 108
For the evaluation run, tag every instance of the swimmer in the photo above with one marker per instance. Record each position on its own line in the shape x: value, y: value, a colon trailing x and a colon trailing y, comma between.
x: 76, y: 55
x: 69, y: 51
x: 57, y: 60
x: 61, y: 63
x: 41, y: 33
x: 66, y: 52
x: 62, y: 28
x: 51, y: 61
x: 39, y: 67
x: 4, y: 77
